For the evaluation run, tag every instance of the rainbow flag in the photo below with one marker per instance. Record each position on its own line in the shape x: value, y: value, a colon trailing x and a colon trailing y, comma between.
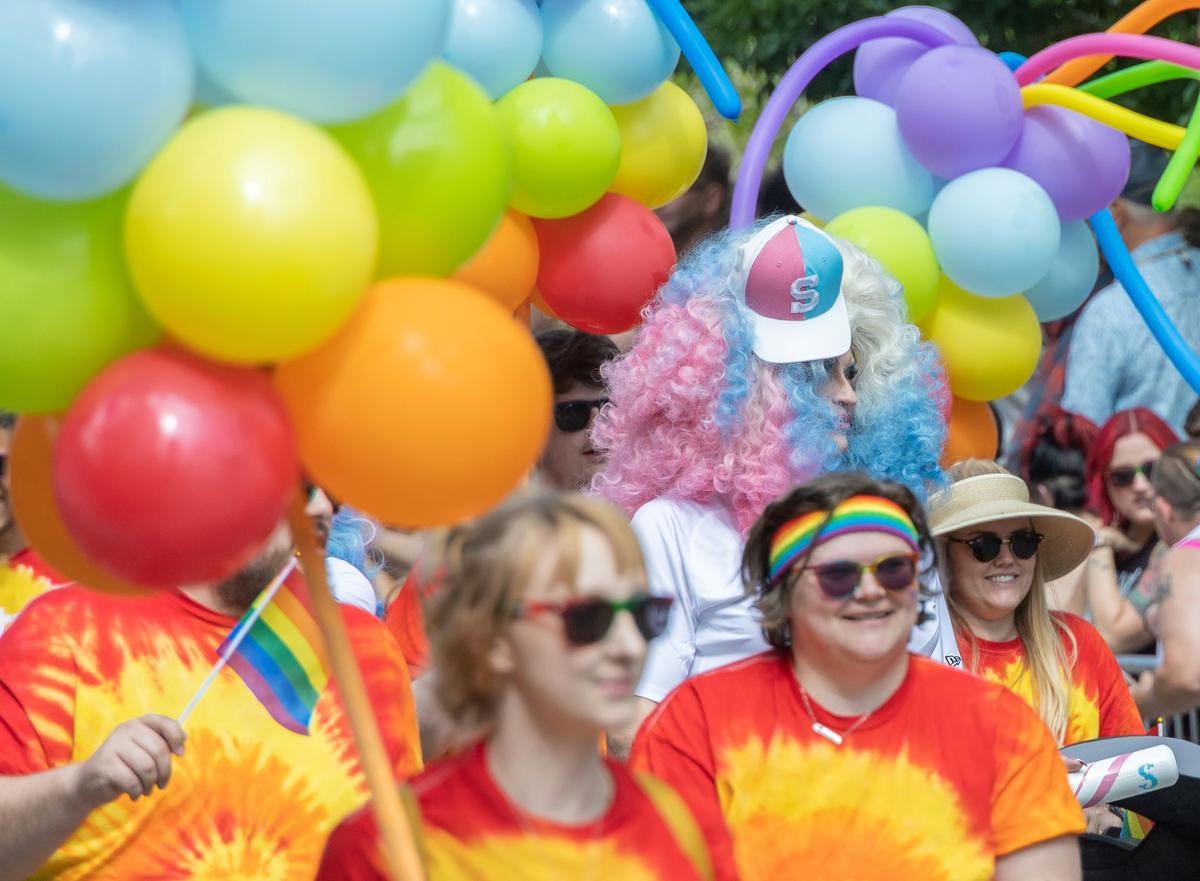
x: 277, y: 650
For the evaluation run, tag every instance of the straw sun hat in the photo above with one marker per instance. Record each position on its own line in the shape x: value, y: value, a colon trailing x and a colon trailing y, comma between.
x: 977, y: 501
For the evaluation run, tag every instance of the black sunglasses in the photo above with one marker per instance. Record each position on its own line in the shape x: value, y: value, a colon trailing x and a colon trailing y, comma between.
x: 587, y: 620
x: 986, y: 547
x: 1122, y: 478
x: 841, y: 578
x: 573, y: 416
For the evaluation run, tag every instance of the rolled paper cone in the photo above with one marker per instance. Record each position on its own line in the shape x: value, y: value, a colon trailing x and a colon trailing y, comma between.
x: 1125, y: 776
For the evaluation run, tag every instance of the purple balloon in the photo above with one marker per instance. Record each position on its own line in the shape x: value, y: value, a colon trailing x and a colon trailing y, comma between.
x: 1082, y: 164
x: 959, y: 110
x: 879, y: 64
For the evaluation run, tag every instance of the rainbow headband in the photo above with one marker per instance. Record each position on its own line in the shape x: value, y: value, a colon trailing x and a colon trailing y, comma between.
x: 857, y: 514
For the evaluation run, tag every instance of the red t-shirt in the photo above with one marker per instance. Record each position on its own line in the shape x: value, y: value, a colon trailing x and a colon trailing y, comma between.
x: 948, y: 774
x: 249, y: 799
x: 1099, y: 705
x: 470, y: 831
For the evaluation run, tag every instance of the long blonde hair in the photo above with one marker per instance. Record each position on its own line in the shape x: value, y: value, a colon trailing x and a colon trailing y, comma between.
x: 1047, y: 662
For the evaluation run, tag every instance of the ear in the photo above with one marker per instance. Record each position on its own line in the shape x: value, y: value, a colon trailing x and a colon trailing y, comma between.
x: 502, y: 658
x: 1163, y: 509
x: 1120, y: 216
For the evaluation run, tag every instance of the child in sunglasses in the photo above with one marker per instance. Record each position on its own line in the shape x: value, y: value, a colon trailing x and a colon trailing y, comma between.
x: 997, y: 552
x: 538, y: 636
x: 837, y: 754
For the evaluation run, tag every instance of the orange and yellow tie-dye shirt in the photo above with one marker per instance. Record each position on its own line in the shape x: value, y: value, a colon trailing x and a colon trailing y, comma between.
x: 23, y: 577
x: 948, y: 774
x: 470, y: 831
x: 1099, y: 703
x: 248, y: 799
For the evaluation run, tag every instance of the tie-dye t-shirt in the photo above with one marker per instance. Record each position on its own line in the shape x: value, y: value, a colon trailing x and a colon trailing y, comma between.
x: 948, y: 774
x: 248, y: 800
x: 23, y: 577
x: 1100, y: 704
x: 470, y: 831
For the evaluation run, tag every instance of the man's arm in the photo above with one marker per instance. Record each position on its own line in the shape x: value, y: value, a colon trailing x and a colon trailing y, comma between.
x: 38, y: 812
x: 1175, y: 686
x: 1054, y: 860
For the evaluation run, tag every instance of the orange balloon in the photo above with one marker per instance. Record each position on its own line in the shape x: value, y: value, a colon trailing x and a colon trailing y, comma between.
x: 32, y: 467
x: 507, y: 264
x: 973, y: 433
x: 539, y: 302
x: 429, y: 406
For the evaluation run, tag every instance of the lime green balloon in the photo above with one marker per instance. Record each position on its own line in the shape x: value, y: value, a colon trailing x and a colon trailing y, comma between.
x: 67, y: 307
x: 566, y: 146
x: 439, y: 167
x: 901, y: 245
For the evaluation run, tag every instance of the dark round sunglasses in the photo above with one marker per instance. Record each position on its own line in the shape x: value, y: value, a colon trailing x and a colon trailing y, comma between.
x: 985, y: 547
x: 1122, y: 478
x: 587, y: 620
x: 841, y: 578
x: 573, y: 416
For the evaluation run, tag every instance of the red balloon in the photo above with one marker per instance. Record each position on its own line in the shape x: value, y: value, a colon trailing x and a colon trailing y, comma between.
x: 600, y: 267
x: 170, y: 469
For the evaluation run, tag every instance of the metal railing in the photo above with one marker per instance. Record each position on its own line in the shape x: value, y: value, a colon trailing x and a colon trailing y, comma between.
x: 1185, y: 726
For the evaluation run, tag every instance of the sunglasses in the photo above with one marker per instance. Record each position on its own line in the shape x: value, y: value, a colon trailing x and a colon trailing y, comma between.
x: 573, y: 416
x: 841, y: 579
x: 1123, y: 478
x: 587, y: 620
x: 986, y: 547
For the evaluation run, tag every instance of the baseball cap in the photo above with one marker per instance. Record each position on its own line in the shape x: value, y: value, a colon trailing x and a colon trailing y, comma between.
x: 1146, y: 165
x: 789, y: 278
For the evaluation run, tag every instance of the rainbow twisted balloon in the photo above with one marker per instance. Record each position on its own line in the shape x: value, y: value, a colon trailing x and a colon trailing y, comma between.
x: 974, y: 178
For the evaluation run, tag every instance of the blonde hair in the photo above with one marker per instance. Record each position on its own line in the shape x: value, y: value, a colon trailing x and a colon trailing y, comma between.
x: 1047, y: 662
x: 486, y: 567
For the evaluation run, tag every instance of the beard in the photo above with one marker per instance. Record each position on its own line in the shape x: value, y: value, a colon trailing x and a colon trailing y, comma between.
x: 241, y: 588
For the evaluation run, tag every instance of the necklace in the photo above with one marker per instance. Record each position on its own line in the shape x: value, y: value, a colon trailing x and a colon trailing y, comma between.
x: 824, y: 730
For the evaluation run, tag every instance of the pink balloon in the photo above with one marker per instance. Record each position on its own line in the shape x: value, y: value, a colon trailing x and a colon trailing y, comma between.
x: 1125, y: 45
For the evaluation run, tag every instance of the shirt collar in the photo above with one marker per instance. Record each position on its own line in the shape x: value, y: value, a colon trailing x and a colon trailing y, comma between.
x: 1157, y: 247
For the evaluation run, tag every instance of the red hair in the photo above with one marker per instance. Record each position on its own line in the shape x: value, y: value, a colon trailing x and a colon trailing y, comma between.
x: 1136, y: 420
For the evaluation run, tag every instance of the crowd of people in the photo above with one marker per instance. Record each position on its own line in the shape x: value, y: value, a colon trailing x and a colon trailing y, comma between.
x: 744, y: 621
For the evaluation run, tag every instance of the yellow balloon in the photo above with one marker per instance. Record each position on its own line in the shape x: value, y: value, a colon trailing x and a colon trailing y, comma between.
x: 990, y: 345
x: 251, y: 236
x: 663, y: 144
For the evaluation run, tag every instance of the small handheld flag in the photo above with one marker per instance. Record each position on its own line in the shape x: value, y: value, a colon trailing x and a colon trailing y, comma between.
x: 276, y: 649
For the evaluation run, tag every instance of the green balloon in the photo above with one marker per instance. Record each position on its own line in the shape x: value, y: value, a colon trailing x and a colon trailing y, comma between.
x: 67, y: 307
x: 566, y: 146
x: 439, y: 167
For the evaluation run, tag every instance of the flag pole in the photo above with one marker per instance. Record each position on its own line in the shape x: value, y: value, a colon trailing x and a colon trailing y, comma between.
x: 243, y: 627
x: 399, y: 846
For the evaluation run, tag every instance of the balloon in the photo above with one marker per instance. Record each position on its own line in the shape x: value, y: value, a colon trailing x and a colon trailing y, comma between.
x: 663, y: 144
x: 506, y: 266
x: 700, y: 56
x: 31, y: 466
x: 251, y: 236
x: 995, y: 231
x: 328, y: 60
x: 617, y: 48
x: 847, y: 153
x: 600, y: 267
x: 89, y: 91
x: 990, y: 345
x: 1072, y: 276
x: 901, y: 245
x: 972, y: 432
x: 173, y: 470
x: 439, y: 168
x: 566, y: 146
x: 498, y: 42
x: 879, y: 64
x: 67, y: 304
x: 1081, y: 164
x: 1012, y: 60
x: 959, y: 109
x: 539, y: 302
x: 1104, y: 46
x: 428, y: 407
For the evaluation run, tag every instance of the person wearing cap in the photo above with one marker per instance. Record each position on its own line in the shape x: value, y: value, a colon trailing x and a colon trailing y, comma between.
x: 997, y: 551
x: 1114, y: 362
x: 837, y: 753
x: 772, y: 354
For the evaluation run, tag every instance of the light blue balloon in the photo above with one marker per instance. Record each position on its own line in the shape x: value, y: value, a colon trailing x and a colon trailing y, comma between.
x: 89, y: 91
x: 617, y: 48
x: 847, y: 153
x: 498, y: 42
x: 1072, y: 275
x: 326, y: 60
x: 995, y: 232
